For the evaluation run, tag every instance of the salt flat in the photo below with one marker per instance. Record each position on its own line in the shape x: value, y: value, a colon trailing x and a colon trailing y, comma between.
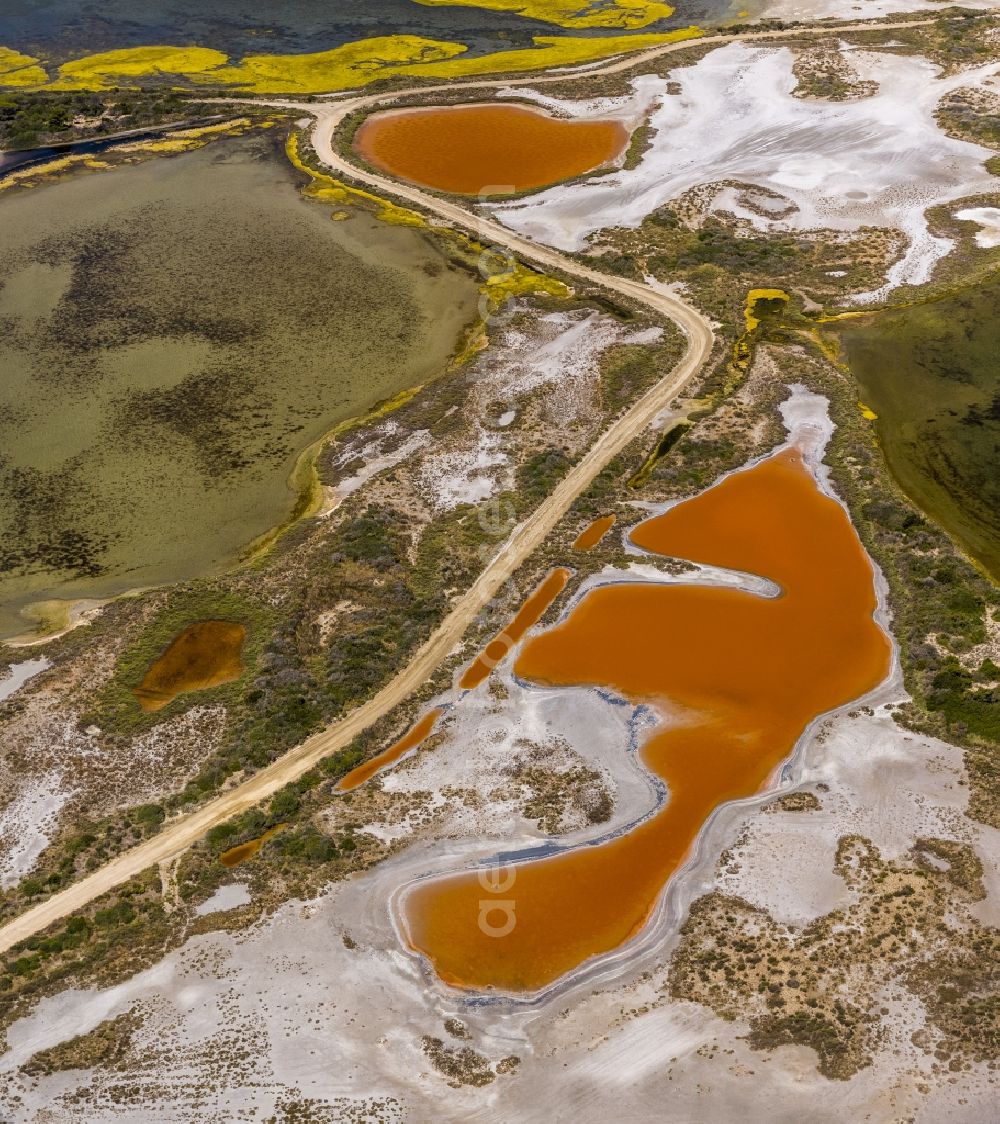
x: 875, y: 161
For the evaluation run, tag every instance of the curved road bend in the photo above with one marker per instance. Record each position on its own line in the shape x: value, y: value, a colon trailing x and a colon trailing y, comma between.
x: 181, y: 833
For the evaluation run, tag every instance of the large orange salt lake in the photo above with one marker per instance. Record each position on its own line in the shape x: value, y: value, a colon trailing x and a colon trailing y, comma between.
x: 468, y: 149
x: 740, y: 676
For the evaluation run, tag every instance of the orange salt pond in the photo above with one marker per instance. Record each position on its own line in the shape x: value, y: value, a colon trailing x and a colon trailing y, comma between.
x: 531, y: 612
x: 592, y: 535
x: 410, y: 740
x: 467, y: 149
x: 742, y: 677
x: 236, y: 855
x: 203, y: 655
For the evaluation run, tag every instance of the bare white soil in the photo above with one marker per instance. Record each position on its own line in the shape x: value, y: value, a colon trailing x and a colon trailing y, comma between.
x: 375, y: 456
x: 988, y: 218
x: 27, y: 823
x: 227, y: 897
x: 558, y: 353
x: 18, y: 674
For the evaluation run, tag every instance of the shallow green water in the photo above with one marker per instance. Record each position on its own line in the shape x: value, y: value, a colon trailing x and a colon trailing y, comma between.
x: 932, y: 374
x: 172, y: 335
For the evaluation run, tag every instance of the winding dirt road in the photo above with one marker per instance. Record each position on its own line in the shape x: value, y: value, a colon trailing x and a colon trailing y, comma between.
x: 180, y: 833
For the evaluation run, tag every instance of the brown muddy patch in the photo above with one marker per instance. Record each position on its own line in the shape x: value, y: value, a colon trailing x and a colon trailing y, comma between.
x: 736, y: 677
x: 204, y: 655
x: 239, y: 854
x: 486, y: 149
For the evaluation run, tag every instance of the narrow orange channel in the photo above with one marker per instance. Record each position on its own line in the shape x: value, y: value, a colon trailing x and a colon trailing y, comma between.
x: 746, y: 674
x: 415, y: 736
x: 468, y: 149
x: 590, y: 536
x: 531, y: 612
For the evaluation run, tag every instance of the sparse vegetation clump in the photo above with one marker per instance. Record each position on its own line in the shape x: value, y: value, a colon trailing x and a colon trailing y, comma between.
x: 823, y: 71
x: 971, y: 114
x: 556, y: 793
x: 824, y: 984
x: 461, y: 1066
x: 719, y: 258
x: 108, y: 1046
x: 31, y: 120
x: 795, y: 802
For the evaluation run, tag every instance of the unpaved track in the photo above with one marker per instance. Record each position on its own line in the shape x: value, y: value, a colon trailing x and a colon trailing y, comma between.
x: 179, y: 834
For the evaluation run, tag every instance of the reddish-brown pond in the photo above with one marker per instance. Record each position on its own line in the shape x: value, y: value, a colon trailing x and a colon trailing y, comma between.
x: 742, y: 676
x: 590, y: 536
x: 415, y: 736
x: 204, y: 655
x: 468, y: 149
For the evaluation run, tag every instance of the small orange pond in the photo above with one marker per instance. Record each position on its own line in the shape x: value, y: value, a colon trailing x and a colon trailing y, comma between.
x: 243, y: 851
x: 590, y: 536
x: 742, y: 677
x: 414, y: 737
x: 468, y: 149
x: 204, y: 655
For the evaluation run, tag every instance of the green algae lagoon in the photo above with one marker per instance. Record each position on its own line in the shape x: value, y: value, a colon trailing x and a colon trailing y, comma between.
x: 930, y: 374
x: 173, y: 334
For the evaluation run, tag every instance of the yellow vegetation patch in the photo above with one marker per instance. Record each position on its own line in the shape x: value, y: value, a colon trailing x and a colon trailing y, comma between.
x: 750, y: 310
x: 353, y: 64
x: 841, y: 316
x: 743, y: 347
x: 96, y: 72
x: 520, y: 281
x: 549, y: 52
x: 329, y: 190
x: 37, y: 173
x: 183, y: 140
x: 573, y: 13
x: 358, y: 64
x: 828, y: 344
x: 867, y: 412
x: 186, y: 139
x: 20, y: 70
x: 346, y: 67
x: 477, y: 339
